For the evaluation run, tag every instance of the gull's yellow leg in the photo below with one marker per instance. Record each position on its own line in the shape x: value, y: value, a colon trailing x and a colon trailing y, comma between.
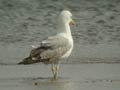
x: 55, y: 69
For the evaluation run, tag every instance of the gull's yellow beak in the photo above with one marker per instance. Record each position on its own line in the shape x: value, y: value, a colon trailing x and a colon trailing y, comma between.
x: 73, y: 23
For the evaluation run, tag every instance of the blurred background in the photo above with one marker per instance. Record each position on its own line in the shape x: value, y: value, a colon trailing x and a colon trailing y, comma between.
x: 26, y: 22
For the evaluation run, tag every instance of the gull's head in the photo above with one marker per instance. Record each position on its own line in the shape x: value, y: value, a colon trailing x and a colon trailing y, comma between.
x: 66, y: 17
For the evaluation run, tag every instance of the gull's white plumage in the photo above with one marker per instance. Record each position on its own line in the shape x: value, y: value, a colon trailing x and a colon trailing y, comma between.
x: 65, y: 17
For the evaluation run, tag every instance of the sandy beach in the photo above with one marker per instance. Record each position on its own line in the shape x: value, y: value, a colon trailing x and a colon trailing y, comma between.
x: 71, y: 77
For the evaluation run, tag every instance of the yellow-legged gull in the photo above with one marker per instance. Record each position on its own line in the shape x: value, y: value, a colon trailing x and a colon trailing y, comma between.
x: 54, y: 48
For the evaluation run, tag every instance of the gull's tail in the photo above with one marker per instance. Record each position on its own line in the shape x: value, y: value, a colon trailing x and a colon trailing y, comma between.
x: 28, y: 60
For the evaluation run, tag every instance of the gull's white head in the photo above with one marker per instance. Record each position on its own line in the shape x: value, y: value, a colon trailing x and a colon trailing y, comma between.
x: 66, y: 17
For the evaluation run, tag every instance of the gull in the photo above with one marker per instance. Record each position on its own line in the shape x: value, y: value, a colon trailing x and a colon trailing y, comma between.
x: 55, y: 48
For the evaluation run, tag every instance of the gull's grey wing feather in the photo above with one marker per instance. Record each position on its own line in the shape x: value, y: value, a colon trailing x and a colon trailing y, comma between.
x: 49, y: 51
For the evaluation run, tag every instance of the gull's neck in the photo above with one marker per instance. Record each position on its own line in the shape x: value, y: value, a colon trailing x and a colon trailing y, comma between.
x: 64, y: 28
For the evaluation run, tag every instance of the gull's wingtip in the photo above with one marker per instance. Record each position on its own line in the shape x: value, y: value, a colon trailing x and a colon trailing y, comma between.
x: 25, y: 61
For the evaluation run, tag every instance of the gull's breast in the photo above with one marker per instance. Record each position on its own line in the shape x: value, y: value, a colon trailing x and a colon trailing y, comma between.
x: 67, y: 54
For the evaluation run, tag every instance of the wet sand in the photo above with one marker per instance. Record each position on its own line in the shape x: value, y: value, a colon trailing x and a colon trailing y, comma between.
x: 71, y: 77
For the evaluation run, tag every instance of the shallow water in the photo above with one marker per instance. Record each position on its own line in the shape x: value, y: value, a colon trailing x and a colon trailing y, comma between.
x: 96, y: 36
